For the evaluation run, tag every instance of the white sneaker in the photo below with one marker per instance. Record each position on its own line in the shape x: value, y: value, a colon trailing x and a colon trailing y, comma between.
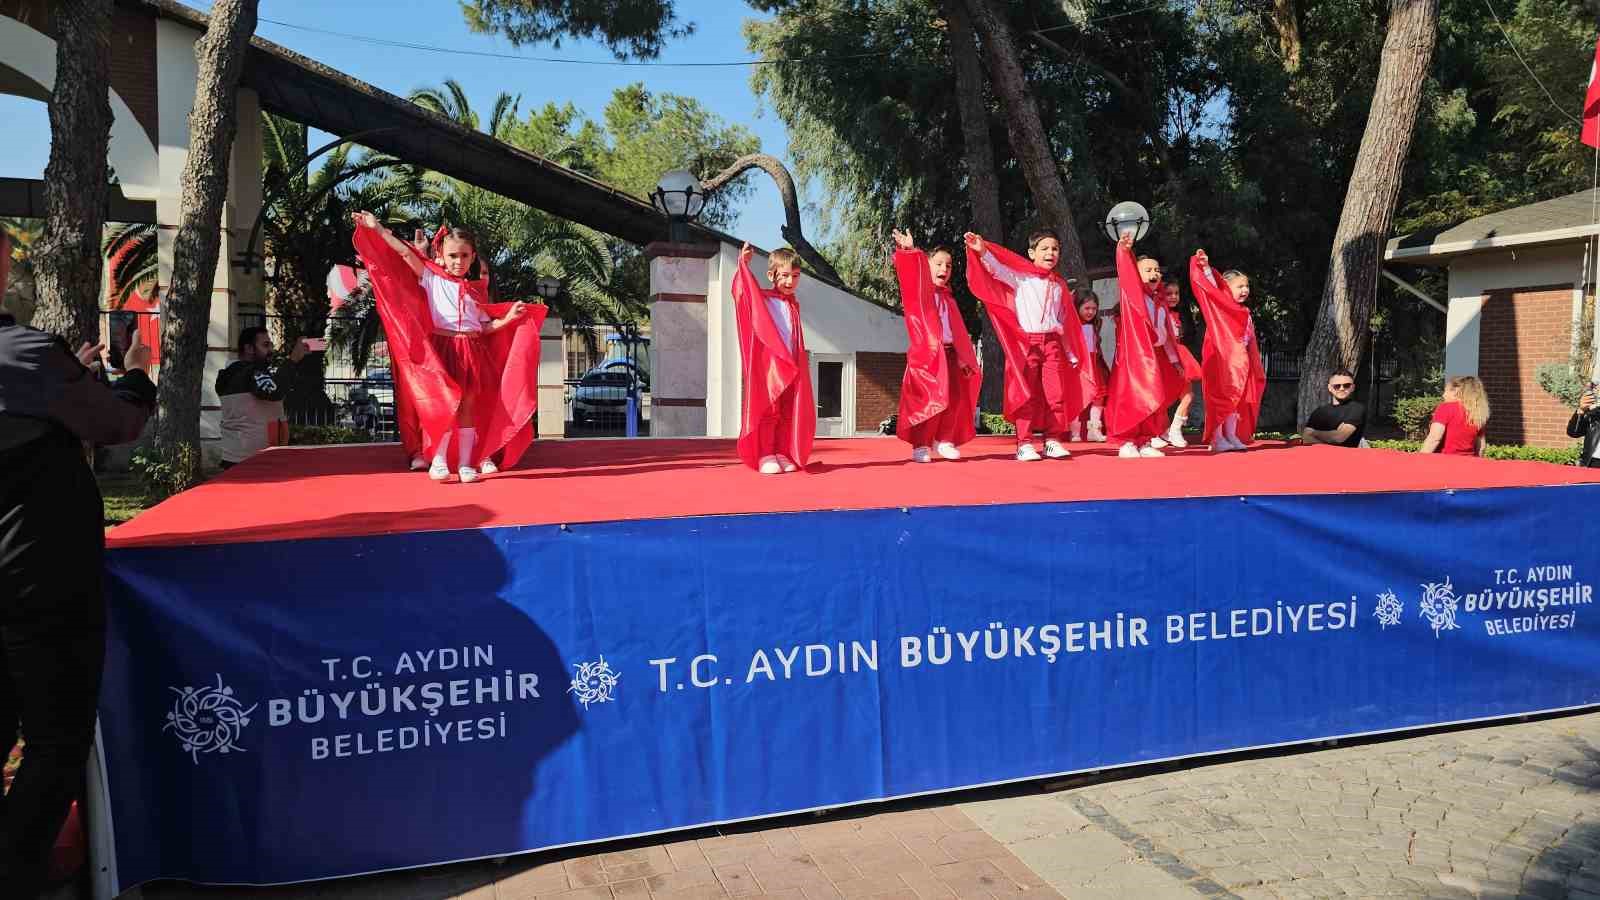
x: 418, y: 464
x: 1176, y: 439
x: 467, y: 474
x: 786, y: 463
x: 487, y: 467
x: 1149, y: 451
x: 438, y: 471
x: 1128, y: 451
x: 1157, y: 443
x: 1027, y: 453
x: 1054, y: 450
x: 947, y: 450
x: 770, y: 466
x: 921, y: 455
x: 1095, y: 435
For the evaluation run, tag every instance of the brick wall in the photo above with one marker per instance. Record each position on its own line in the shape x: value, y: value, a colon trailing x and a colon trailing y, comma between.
x: 877, y: 387
x: 1520, y: 330
x: 133, y: 53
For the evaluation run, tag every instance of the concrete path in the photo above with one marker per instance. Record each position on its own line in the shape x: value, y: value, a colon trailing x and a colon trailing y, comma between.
x: 1492, y: 812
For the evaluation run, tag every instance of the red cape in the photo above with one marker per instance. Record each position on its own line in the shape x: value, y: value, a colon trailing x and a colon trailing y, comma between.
x: 1000, y: 302
x: 1230, y: 358
x: 1142, y: 381
x: 770, y: 368
x: 925, y: 389
x: 509, y: 391
x: 1191, y: 368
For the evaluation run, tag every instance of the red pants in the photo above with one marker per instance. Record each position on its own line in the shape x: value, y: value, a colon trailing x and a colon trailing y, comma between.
x: 1151, y: 427
x: 767, y: 428
x: 1044, y: 370
x: 946, y: 426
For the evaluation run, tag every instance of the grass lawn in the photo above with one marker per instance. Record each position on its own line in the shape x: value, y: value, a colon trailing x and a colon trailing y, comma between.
x: 124, y: 496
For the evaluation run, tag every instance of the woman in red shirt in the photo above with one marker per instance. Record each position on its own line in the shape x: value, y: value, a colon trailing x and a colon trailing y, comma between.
x: 1458, y: 423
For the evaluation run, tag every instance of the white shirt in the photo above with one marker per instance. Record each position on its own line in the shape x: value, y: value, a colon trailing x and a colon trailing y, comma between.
x: 447, y: 307
x: 942, y: 303
x: 780, y: 318
x: 1038, y: 297
x: 1090, y: 339
x: 1158, y: 317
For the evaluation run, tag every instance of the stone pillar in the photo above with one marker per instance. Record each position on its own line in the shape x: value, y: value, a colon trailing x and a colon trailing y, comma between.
x: 679, y: 279
x: 552, y: 380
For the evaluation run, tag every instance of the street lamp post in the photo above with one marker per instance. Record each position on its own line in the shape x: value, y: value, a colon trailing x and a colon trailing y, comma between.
x: 679, y: 197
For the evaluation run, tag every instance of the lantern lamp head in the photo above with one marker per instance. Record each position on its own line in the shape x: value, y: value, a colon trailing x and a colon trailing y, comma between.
x: 1127, y: 217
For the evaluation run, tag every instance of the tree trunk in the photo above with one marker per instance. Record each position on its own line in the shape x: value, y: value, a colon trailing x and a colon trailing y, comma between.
x: 1340, y: 335
x: 1286, y: 19
x: 1028, y: 139
x: 67, y: 263
x: 983, y: 185
x: 186, y: 311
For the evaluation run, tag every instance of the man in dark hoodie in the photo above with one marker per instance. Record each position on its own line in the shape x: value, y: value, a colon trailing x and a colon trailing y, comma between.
x: 52, y: 602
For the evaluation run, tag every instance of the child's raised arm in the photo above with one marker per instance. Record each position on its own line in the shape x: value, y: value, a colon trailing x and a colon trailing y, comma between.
x: 407, y: 252
x: 745, y: 286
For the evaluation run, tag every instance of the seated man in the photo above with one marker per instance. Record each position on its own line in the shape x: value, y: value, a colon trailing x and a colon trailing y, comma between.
x: 251, y: 392
x: 1341, y: 423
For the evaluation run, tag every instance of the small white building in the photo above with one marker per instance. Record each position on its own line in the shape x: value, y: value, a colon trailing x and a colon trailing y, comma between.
x: 1521, y: 295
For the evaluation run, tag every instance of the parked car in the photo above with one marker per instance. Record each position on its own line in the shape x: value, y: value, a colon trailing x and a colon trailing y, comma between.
x: 602, y: 393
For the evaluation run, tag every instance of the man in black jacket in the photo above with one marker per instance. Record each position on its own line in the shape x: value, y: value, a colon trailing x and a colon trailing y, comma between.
x: 1585, y: 423
x: 52, y: 604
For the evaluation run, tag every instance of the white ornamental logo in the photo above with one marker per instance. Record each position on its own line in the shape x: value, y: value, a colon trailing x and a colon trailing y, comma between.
x: 1389, y: 609
x: 1438, y: 606
x: 594, y: 682
x: 208, y: 719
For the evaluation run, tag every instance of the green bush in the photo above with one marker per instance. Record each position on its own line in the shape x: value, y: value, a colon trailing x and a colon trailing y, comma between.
x: 164, y: 474
x: 1561, y: 456
x: 1412, y: 415
x: 307, y: 435
x: 994, y: 423
x: 1562, y: 381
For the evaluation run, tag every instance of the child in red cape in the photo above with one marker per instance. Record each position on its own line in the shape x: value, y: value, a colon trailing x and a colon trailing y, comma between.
x: 1047, y: 382
x: 1148, y: 377
x: 939, y: 392
x: 779, y: 415
x: 471, y: 366
x: 1168, y: 314
x: 1231, y: 359
x: 1090, y: 425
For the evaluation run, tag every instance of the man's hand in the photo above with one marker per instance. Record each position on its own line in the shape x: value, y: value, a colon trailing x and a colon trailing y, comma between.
x: 745, y: 253
x: 137, y: 355
x: 975, y: 243
x: 1586, y: 402
x: 903, y: 240
x: 299, y: 352
x: 89, y: 354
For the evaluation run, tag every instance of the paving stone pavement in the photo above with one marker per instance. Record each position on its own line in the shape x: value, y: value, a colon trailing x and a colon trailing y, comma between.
x: 1491, y: 812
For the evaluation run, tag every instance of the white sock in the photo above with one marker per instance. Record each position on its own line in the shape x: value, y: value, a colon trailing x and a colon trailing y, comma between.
x: 1229, y: 429
x: 1094, y: 417
x: 441, y: 456
x: 469, y: 437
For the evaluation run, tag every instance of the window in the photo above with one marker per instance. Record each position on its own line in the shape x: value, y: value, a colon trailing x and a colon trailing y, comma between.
x: 830, y: 390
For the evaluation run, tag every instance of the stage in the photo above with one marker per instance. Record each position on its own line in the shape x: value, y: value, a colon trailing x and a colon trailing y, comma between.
x: 301, y: 492
x: 320, y: 665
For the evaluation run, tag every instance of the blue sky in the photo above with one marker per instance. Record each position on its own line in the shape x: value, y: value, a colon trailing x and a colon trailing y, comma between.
x: 725, y: 91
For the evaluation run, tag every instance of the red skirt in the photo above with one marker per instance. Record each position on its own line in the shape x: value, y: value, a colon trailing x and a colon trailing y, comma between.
x: 465, y: 358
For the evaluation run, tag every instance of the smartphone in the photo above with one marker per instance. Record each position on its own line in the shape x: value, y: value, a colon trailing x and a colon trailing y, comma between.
x: 315, y: 344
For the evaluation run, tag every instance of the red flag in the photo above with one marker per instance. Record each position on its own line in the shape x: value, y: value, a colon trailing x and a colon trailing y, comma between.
x: 1591, y: 104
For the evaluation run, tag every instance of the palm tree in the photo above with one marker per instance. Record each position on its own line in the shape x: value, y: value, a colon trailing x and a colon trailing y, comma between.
x: 21, y: 295
x: 133, y: 253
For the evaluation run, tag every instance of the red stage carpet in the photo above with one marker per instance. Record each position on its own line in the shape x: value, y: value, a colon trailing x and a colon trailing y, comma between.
x: 296, y: 492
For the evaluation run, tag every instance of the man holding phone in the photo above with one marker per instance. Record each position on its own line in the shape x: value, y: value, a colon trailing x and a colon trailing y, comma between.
x: 251, y: 392
x: 1585, y: 423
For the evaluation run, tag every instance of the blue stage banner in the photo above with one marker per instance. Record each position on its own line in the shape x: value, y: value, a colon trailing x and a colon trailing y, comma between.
x: 278, y: 712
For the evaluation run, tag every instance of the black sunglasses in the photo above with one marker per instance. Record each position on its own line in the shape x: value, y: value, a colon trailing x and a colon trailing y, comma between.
x: 1342, y: 387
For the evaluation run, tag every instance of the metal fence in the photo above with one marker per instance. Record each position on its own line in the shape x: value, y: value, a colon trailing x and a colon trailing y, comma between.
x: 610, y: 397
